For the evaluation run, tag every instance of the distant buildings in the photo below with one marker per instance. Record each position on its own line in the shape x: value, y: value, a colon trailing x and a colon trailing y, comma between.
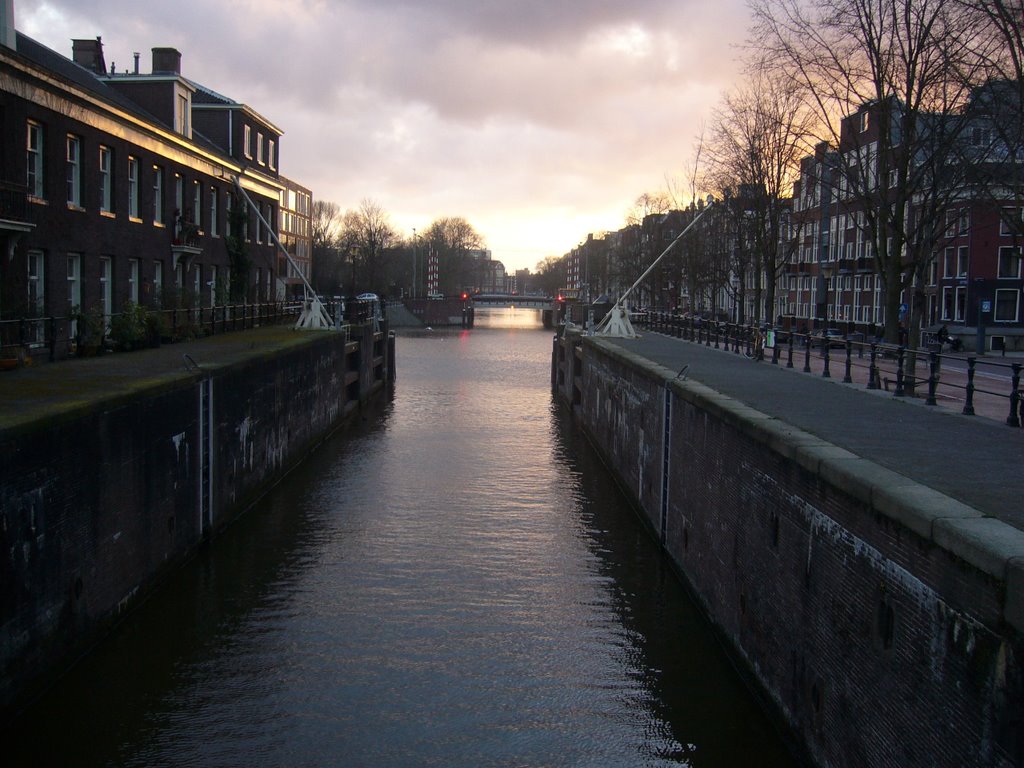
x: 121, y: 186
x: 828, y: 272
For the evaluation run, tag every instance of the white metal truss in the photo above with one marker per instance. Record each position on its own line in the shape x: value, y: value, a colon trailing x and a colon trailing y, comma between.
x: 616, y: 323
x: 314, y: 315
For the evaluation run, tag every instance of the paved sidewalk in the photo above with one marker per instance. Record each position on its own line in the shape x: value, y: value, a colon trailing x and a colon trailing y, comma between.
x: 53, y: 390
x: 976, y: 460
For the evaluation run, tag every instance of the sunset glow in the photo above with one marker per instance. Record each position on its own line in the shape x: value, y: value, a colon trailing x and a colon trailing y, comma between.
x: 538, y: 122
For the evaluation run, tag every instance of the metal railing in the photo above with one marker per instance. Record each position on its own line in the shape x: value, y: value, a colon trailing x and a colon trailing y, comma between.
x: 974, y: 385
x: 55, y: 337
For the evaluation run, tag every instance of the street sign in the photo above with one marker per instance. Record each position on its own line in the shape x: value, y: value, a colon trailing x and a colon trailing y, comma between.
x: 986, y: 305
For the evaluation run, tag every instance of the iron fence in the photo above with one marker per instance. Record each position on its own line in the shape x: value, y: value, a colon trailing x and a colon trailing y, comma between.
x: 974, y: 385
x: 55, y: 337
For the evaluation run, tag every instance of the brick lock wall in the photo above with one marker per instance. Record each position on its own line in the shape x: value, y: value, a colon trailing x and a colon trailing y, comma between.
x: 97, y: 507
x: 876, y: 646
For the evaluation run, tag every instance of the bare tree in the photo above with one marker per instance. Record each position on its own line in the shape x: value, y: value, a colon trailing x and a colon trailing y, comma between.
x: 325, y: 222
x: 759, y: 136
x: 997, y: 140
x: 888, y: 81
x: 451, y: 240
x: 366, y: 238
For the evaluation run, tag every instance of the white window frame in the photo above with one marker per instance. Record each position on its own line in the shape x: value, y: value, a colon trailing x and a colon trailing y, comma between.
x: 962, y: 260
x: 106, y: 180
x: 197, y: 205
x: 133, y: 280
x: 133, y: 188
x: 74, y: 275
x: 74, y: 170
x: 1009, y: 249
x: 158, y: 282
x: 271, y: 150
x: 1016, y: 306
x: 247, y: 141
x: 213, y: 211
x: 106, y: 289
x: 158, y: 195
x: 34, y: 166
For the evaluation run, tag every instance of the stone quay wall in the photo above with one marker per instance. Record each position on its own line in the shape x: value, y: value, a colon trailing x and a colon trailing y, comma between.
x: 98, y: 506
x: 871, y: 639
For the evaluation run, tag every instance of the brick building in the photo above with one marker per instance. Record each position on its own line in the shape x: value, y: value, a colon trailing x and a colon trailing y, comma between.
x: 121, y: 187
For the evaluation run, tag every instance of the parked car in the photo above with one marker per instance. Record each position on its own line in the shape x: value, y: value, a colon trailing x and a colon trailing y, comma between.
x: 832, y: 336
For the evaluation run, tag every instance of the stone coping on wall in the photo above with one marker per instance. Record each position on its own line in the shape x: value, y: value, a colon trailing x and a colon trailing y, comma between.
x: 63, y: 390
x: 987, y: 544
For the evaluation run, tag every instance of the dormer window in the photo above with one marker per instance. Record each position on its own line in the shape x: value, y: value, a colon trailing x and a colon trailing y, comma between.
x: 182, y: 110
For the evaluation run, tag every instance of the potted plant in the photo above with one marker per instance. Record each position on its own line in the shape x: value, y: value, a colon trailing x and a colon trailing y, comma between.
x: 90, y: 331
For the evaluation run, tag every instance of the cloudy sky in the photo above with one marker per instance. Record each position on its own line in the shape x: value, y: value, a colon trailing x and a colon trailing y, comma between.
x: 536, y: 120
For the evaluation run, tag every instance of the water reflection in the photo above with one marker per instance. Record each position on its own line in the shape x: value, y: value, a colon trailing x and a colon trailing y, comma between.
x: 455, y: 582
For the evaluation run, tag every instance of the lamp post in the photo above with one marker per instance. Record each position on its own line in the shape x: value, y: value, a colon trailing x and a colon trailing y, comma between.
x: 414, y: 262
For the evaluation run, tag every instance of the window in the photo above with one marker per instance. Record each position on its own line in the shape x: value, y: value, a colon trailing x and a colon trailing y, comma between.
x: 133, y: 187
x: 213, y: 286
x: 74, y: 171
x: 1007, y: 303
x: 213, y: 211
x: 158, y: 195
x: 271, y: 149
x: 949, y: 263
x: 74, y: 288
x: 179, y: 194
x: 948, y: 299
x: 181, y: 116
x: 865, y: 121
x: 247, y: 141
x: 965, y: 220
x: 106, y: 182
x: 106, y: 289
x: 962, y: 261
x: 36, y: 284
x: 133, y: 280
x: 34, y: 159
x: 259, y: 148
x: 1009, y: 218
x: 36, y: 295
x: 1009, y: 262
x: 951, y: 223
x: 980, y: 137
x: 197, y: 205
x: 158, y: 282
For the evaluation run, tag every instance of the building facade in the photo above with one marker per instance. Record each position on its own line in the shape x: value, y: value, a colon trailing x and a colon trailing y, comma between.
x: 295, y: 231
x: 129, y: 187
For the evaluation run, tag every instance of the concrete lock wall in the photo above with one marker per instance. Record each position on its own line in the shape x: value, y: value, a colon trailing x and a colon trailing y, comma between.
x: 98, y: 508
x: 875, y: 645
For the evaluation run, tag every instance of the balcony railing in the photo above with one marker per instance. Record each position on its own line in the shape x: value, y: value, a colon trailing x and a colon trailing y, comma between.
x: 13, y: 201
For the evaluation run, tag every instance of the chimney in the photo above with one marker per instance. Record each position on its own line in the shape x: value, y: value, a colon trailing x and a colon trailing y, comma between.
x: 166, y: 60
x: 89, y: 54
x: 136, y: 55
x: 7, y: 36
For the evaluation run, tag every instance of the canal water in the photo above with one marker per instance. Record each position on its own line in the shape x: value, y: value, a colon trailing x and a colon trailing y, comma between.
x: 455, y: 582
